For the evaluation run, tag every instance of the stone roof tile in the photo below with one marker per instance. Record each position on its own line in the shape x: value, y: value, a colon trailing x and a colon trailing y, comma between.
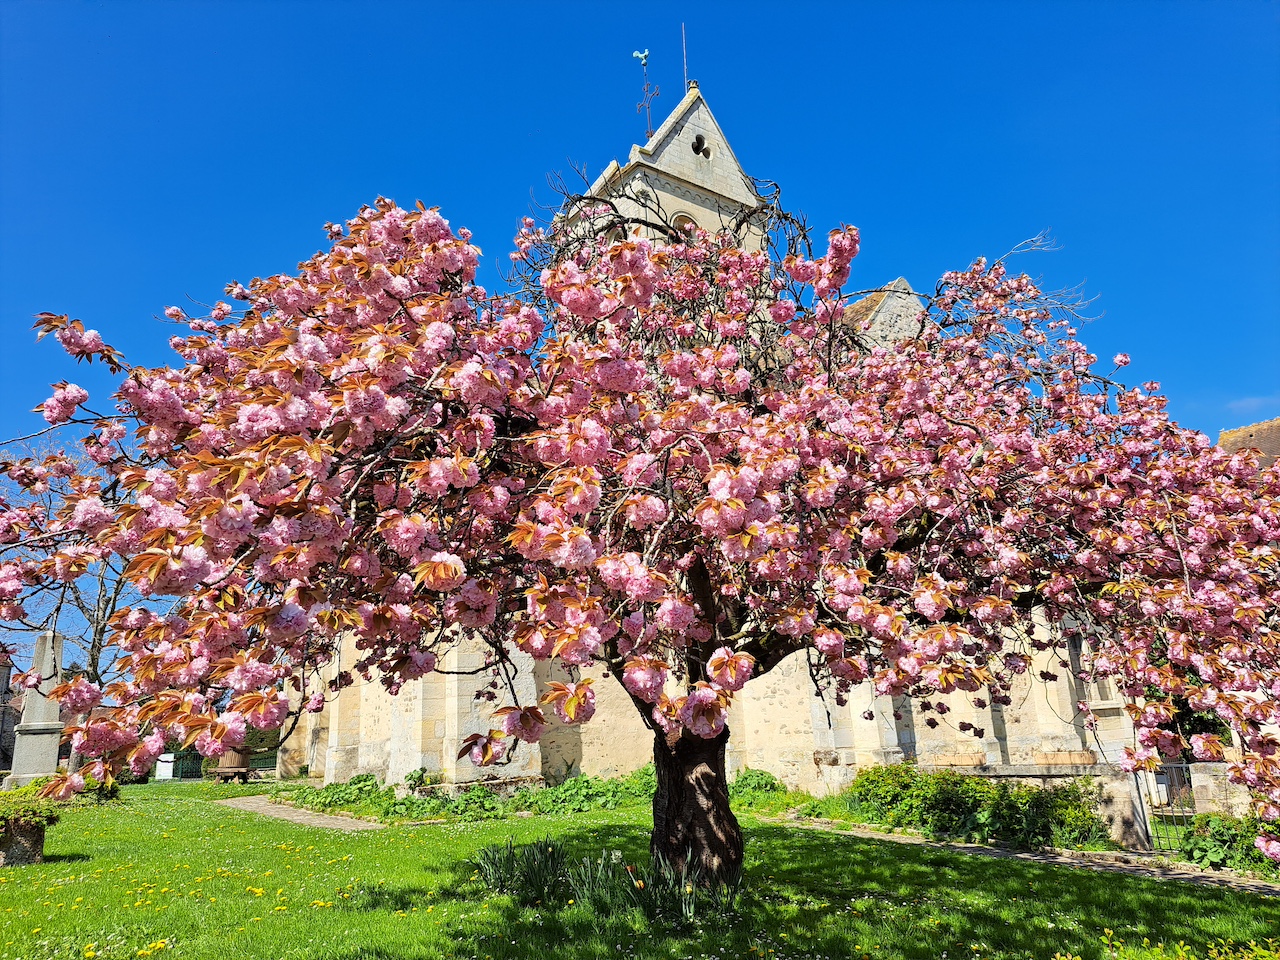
x: 1263, y: 436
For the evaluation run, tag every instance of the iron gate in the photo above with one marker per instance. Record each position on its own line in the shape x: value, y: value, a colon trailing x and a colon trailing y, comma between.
x: 1168, y: 802
x: 187, y: 765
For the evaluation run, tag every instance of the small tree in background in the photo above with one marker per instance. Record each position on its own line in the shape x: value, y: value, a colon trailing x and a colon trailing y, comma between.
x: 79, y: 604
x: 675, y: 461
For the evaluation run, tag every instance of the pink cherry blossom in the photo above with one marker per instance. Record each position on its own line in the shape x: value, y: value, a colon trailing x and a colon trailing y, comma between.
x: 1269, y: 846
x: 729, y: 670
x: 645, y: 677
x: 703, y: 711
x: 676, y: 461
x: 61, y: 407
x: 524, y: 724
x: 80, y: 695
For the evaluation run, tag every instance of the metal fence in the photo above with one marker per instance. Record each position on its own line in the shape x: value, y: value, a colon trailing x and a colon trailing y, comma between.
x: 1168, y: 802
x: 186, y: 765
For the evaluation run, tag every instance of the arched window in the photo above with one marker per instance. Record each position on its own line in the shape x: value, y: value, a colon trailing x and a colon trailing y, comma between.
x: 684, y: 223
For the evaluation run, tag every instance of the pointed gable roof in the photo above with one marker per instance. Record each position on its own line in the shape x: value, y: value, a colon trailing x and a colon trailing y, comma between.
x: 888, y: 315
x: 670, y: 153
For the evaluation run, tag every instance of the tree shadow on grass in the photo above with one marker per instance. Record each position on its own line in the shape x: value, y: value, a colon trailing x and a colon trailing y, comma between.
x: 385, y: 897
x: 1020, y: 907
x: 808, y: 893
x: 66, y: 858
x: 380, y: 953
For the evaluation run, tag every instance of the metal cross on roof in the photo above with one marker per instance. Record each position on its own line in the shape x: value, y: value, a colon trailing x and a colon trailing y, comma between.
x: 646, y: 101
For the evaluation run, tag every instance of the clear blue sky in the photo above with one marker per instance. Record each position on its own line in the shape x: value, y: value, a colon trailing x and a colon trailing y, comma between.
x: 151, y: 152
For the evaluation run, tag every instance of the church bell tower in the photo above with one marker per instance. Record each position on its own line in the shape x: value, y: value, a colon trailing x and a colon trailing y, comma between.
x: 687, y: 174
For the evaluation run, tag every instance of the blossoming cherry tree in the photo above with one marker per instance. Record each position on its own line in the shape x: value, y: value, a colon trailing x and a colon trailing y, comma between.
x: 676, y: 462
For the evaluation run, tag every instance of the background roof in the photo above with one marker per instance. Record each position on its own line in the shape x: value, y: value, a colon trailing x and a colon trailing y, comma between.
x: 1264, y: 437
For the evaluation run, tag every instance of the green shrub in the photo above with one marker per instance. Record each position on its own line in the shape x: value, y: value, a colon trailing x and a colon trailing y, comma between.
x: 946, y: 803
x: 1076, y: 823
x: 754, y: 781
x: 410, y: 807
x: 365, y: 796
x: 579, y: 794
x: 360, y: 790
x: 361, y: 794
x: 1216, y: 840
x: 642, y: 784
x: 574, y: 795
x: 478, y: 803
x: 876, y: 792
x: 763, y: 793
x: 422, y: 777
x: 25, y: 806
x: 940, y: 804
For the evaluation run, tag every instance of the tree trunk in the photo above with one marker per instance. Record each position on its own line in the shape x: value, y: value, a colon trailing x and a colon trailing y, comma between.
x: 693, y: 827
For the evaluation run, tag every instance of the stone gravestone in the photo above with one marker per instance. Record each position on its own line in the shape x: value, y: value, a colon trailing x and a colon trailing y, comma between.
x: 35, y: 750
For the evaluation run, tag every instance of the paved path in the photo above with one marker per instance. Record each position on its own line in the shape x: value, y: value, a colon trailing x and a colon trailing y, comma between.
x: 1134, y: 864
x: 304, y: 818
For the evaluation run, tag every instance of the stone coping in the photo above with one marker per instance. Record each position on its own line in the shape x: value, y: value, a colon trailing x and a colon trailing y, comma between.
x: 1034, y: 769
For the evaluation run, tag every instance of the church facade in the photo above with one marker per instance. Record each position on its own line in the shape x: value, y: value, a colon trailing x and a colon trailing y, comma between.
x: 779, y: 723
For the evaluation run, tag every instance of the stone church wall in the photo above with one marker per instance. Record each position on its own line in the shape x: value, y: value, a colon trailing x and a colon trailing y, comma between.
x: 612, y: 748
x: 777, y: 723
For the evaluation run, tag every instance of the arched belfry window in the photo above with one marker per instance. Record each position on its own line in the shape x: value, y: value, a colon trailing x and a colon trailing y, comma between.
x: 684, y: 223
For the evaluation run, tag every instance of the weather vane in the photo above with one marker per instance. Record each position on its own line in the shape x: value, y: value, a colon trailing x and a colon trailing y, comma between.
x: 646, y: 102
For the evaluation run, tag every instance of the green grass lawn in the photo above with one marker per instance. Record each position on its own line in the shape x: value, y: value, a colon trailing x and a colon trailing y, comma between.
x: 165, y: 873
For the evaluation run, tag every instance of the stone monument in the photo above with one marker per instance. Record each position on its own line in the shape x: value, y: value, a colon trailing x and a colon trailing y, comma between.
x: 35, y: 749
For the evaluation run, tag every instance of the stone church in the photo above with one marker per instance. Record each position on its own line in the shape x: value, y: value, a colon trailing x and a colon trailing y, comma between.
x: 688, y: 170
